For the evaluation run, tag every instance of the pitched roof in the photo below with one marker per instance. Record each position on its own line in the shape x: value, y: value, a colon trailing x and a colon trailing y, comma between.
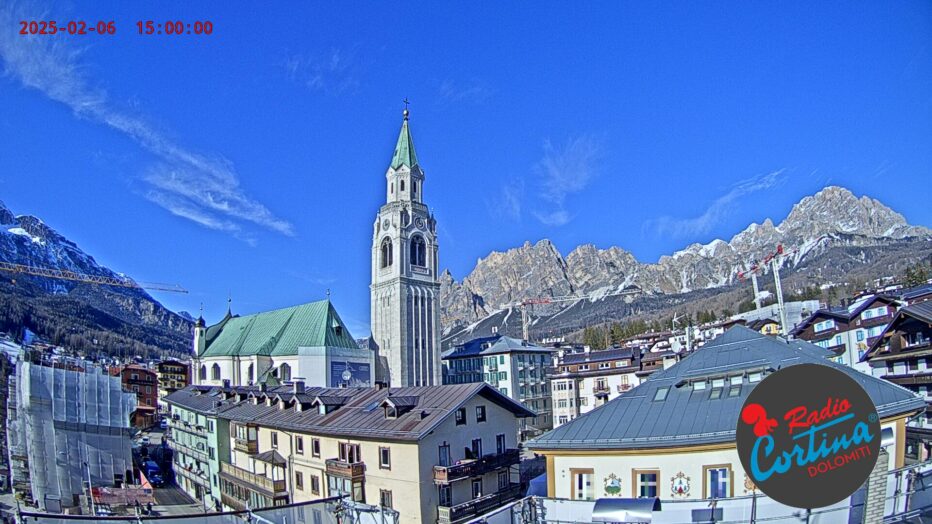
x: 404, y: 149
x: 278, y: 332
x: 597, y: 356
x: 361, y: 415
x: 916, y: 292
x: 686, y: 417
x: 494, y: 345
x: 921, y: 311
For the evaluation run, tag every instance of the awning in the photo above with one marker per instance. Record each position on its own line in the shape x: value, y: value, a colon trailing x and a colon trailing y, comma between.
x: 625, y: 511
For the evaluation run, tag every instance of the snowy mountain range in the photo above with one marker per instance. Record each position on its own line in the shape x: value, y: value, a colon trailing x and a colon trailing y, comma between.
x: 833, y: 220
x: 74, y: 313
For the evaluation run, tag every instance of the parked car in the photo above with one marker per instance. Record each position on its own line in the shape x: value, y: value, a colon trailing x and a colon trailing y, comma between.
x: 145, y: 440
x: 163, y: 424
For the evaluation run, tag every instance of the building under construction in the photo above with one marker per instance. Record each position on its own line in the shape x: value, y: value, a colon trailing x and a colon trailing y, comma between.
x: 69, y: 423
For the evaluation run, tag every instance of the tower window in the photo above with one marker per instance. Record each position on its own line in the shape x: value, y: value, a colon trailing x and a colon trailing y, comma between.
x: 203, y: 374
x: 392, y: 188
x: 386, y: 253
x: 414, y: 187
x: 402, y: 185
x: 418, y: 251
x: 215, y: 372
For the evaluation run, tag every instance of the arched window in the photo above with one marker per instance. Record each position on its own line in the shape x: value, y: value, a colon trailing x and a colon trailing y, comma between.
x: 402, y: 185
x: 285, y: 373
x: 418, y: 251
x: 215, y: 372
x: 249, y: 374
x: 414, y: 187
x: 203, y: 373
x: 386, y: 257
x: 392, y: 186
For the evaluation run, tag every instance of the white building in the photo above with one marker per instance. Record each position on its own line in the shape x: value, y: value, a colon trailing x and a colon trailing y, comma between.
x: 585, y: 380
x: 405, y: 290
x: 308, y: 341
x: 518, y: 369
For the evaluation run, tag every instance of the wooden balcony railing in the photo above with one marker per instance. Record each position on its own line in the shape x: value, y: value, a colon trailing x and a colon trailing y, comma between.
x: 233, y: 502
x: 246, y: 446
x: 447, y: 474
x: 251, y: 480
x: 342, y: 468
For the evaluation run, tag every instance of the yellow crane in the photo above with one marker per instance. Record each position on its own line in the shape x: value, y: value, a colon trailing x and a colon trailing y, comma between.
x: 63, y: 274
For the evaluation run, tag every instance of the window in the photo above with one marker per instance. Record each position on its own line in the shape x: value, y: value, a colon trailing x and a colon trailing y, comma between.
x: 274, y: 440
x: 736, y: 381
x: 699, y: 386
x: 476, y: 488
x: 315, y: 484
x: 501, y: 359
x: 349, y: 452
x: 444, y: 459
x: 503, y: 480
x: 582, y: 484
x: 385, y: 498
x: 561, y: 402
x: 716, y: 393
x: 446, y: 496
x: 645, y: 482
x: 284, y: 372
x: 402, y: 185
x: 913, y: 365
x: 299, y: 445
x: 504, y: 391
x: 148, y: 389
x: 210, y: 426
x: 385, y: 458
x: 299, y: 480
x: 837, y: 340
x: 203, y: 372
x: 215, y: 372
x: 418, y: 251
x: 386, y: 253
x: 717, y: 481
x: 249, y: 374
x: 562, y: 419
x: 500, y: 443
x: 476, y: 448
x: 860, y: 334
x: 315, y: 447
x: 661, y: 393
x: 734, y: 391
x: 825, y: 325
x: 605, y: 365
x: 584, y: 367
x: 134, y: 376
x: 461, y: 417
x: 755, y: 377
x: 480, y: 413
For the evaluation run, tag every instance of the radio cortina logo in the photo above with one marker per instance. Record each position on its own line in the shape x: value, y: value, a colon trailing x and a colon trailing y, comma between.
x: 814, y: 449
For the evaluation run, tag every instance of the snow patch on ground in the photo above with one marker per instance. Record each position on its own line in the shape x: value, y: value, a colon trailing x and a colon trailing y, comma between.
x: 22, y: 232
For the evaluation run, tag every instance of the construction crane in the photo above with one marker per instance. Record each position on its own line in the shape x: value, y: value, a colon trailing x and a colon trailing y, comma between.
x: 63, y: 274
x: 774, y: 260
x: 525, y: 332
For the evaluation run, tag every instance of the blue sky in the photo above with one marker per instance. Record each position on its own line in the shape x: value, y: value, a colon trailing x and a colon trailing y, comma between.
x: 252, y: 161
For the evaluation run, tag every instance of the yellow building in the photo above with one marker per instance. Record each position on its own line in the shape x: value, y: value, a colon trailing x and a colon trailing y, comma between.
x: 433, y: 453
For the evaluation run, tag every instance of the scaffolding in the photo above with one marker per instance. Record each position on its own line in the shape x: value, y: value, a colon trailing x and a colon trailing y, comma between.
x: 70, y: 425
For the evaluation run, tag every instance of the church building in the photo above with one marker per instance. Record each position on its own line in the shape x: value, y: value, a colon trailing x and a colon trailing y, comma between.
x: 405, y: 291
x: 305, y: 343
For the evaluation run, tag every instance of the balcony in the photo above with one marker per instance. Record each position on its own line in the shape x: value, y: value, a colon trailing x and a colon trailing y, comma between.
x: 180, y: 425
x: 192, y: 475
x: 601, y: 390
x: 194, y: 453
x: 624, y: 387
x: 233, y: 502
x: 465, y: 470
x: 251, y: 480
x: 452, y: 514
x: 342, y: 468
x: 246, y: 446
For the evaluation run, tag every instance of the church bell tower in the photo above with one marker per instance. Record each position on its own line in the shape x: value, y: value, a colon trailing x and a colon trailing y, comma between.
x: 405, y: 290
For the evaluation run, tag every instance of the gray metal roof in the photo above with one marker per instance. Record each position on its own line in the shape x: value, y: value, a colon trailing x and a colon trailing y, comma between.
x: 359, y: 413
x: 921, y: 311
x: 687, y: 417
x: 494, y: 345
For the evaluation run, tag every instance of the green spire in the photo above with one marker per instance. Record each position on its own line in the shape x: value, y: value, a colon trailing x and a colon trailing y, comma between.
x: 404, y: 149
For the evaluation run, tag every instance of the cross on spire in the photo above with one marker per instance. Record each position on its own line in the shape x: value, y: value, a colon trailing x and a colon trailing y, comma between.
x: 406, y: 112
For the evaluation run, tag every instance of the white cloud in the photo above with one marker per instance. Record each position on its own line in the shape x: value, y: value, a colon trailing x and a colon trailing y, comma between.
x: 563, y: 172
x: 473, y: 91
x: 507, y: 202
x: 334, y: 72
x: 203, y: 189
x: 716, y: 212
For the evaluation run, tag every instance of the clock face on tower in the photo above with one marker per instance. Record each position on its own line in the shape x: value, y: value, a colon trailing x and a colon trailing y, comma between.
x: 419, y: 222
x: 385, y: 224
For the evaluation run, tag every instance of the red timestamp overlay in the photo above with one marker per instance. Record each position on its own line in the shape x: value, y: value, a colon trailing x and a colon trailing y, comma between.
x: 71, y: 27
x: 174, y: 27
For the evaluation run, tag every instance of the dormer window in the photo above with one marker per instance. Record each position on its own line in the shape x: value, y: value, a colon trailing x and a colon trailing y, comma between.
x: 391, y: 412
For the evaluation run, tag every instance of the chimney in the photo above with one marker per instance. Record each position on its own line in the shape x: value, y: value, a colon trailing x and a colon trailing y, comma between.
x: 298, y: 385
x: 226, y: 383
x: 380, y: 385
x: 262, y: 387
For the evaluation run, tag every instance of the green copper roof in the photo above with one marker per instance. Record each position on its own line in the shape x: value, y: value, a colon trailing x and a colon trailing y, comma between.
x: 404, y: 149
x: 279, y: 332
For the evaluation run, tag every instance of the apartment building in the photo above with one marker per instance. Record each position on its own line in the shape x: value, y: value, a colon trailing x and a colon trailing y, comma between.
x: 849, y: 331
x: 172, y: 375
x: 518, y: 369
x: 141, y: 381
x: 433, y: 454
x: 902, y: 354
